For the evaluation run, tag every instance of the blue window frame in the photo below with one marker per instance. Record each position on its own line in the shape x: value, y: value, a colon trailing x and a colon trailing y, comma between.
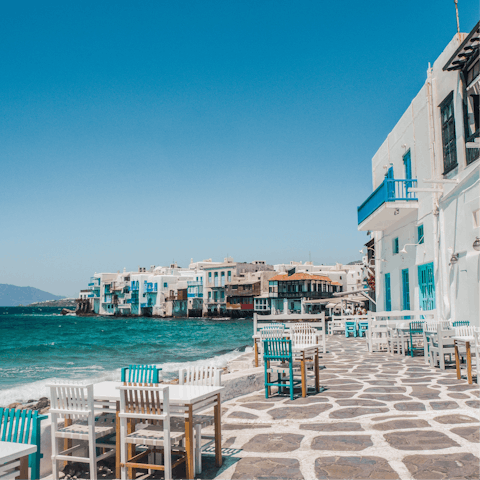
x: 388, y: 295
x: 165, y: 285
x: 420, y: 235
x: 426, y: 286
x: 395, y: 246
x: 405, y: 289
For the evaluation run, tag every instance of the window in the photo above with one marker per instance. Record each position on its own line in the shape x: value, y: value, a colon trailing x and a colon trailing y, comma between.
x: 420, y: 236
x: 448, y: 134
x: 395, y: 246
x: 405, y: 289
x: 407, y: 161
x: 209, y: 277
x: 223, y: 278
x: 165, y: 285
x: 388, y: 298
x: 229, y: 276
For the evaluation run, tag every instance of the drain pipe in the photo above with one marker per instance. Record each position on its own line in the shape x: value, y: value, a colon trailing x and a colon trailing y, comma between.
x: 443, y: 303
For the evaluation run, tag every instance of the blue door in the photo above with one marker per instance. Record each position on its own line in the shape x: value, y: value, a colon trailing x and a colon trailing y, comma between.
x: 405, y: 290
x: 388, y: 296
x: 407, y: 161
x: 426, y: 286
x: 390, y: 183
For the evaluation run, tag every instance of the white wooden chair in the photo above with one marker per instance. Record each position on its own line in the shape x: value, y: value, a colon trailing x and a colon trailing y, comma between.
x: 148, y: 403
x: 336, y: 326
x: 74, y: 403
x: 440, y: 345
x: 395, y: 341
x: 377, y: 336
x: 202, y: 375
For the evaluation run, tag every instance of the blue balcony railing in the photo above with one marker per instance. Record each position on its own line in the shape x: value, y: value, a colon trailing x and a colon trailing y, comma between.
x: 151, y: 287
x: 194, y: 283
x: 390, y: 190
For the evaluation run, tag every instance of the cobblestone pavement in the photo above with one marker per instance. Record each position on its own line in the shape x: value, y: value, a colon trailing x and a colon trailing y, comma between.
x: 380, y: 416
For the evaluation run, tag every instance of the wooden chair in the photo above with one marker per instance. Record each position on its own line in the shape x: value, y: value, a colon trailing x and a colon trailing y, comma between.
x: 377, y: 336
x: 336, y: 326
x: 441, y: 345
x: 23, y: 426
x: 461, y: 323
x: 362, y: 328
x: 148, y: 403
x: 279, y: 350
x: 74, y: 403
x: 416, y: 334
x: 141, y: 374
x: 395, y: 341
x: 351, y: 328
x: 208, y: 376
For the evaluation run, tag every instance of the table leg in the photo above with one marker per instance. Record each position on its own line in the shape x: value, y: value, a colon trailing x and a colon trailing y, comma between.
x: 304, y: 379
x: 67, y: 442
x: 317, y: 372
x: 189, y: 444
x: 469, y: 363
x: 457, y: 361
x: 255, y: 348
x: 217, y: 412
x: 269, y: 388
x: 24, y: 468
x: 117, y: 441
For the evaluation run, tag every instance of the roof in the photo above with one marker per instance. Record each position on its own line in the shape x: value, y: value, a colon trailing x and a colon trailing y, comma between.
x: 298, y: 276
x: 337, y: 283
x: 468, y: 49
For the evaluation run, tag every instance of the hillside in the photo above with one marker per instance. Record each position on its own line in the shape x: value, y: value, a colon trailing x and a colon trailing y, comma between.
x: 12, y: 296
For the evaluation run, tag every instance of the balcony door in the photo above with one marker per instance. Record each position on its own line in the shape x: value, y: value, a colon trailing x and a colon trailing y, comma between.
x: 426, y: 286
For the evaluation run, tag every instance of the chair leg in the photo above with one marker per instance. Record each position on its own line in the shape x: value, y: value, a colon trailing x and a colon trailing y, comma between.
x: 92, y: 453
x: 291, y: 382
x: 54, y: 448
x: 442, y: 359
x: 198, y: 449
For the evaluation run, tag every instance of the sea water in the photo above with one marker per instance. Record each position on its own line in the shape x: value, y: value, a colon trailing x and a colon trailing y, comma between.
x: 38, y: 345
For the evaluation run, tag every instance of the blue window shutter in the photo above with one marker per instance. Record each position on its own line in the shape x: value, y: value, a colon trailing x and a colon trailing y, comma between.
x: 405, y: 289
x: 388, y: 297
x: 420, y: 234
x: 407, y: 161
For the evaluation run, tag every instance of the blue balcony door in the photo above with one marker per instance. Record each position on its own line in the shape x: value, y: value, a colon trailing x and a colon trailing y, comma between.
x: 407, y: 161
x: 426, y: 286
x: 388, y: 294
x: 390, y: 183
x: 405, y: 289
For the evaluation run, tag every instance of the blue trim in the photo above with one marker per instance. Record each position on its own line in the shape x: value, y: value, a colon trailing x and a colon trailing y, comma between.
x: 388, y: 295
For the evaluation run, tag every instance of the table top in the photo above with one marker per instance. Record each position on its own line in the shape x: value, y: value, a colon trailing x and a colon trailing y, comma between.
x: 12, y: 451
x: 464, y: 339
x: 179, y: 394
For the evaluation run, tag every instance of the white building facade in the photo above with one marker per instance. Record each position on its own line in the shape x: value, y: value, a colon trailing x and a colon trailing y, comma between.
x: 424, y: 213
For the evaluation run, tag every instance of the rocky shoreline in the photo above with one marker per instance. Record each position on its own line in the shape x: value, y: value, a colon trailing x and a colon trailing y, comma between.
x: 42, y: 405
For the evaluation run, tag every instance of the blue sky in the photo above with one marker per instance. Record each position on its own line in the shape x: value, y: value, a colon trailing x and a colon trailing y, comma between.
x: 137, y: 133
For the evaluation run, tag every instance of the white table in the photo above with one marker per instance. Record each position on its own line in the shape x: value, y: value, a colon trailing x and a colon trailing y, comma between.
x: 12, y: 456
x: 466, y: 341
x: 185, y: 400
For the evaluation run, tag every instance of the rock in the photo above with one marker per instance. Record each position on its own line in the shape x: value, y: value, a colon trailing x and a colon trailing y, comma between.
x: 66, y: 311
x: 45, y: 410
x: 42, y: 403
x: 15, y: 405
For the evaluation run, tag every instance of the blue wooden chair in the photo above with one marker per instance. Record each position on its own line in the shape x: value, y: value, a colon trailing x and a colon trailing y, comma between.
x: 362, y: 328
x: 141, y: 374
x: 416, y: 333
x: 461, y: 323
x: 23, y: 426
x: 350, y: 328
x: 279, y: 350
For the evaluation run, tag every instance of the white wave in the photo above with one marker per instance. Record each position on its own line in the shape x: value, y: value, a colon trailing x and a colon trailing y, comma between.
x: 38, y: 389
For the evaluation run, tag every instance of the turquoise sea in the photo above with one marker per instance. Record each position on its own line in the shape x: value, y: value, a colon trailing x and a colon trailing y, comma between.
x: 39, y: 344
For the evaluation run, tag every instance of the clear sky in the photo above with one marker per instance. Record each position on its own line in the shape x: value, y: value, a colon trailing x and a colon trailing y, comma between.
x: 137, y: 133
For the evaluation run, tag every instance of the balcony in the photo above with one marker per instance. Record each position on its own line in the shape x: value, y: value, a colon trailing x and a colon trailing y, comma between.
x: 195, y: 283
x: 389, y: 203
x: 151, y: 287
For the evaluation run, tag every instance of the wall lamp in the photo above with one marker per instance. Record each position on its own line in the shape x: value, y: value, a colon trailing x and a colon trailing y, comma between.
x: 454, y: 259
x: 476, y: 244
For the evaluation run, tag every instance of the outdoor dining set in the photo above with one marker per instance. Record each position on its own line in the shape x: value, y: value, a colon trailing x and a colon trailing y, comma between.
x: 143, y: 423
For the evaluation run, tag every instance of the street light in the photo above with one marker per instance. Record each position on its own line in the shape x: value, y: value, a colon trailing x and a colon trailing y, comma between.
x: 476, y: 244
x: 404, y: 250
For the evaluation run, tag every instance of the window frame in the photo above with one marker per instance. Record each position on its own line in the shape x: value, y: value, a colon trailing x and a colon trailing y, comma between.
x: 420, y: 236
x: 451, y: 142
x: 395, y: 246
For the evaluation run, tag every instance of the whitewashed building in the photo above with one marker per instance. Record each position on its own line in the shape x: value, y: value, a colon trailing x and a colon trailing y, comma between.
x: 424, y: 212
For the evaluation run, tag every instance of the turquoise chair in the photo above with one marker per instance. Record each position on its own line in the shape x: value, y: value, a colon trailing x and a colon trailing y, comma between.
x: 351, y: 327
x: 416, y: 328
x: 141, y: 374
x: 23, y: 426
x: 279, y: 349
x: 461, y: 323
x: 362, y: 328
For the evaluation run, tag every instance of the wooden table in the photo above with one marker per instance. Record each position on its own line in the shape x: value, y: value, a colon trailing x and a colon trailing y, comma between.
x: 185, y: 401
x: 301, y: 352
x: 466, y: 341
x: 14, y: 457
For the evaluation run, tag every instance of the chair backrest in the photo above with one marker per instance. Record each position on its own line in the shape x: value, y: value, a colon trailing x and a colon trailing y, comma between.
x: 277, y: 349
x: 350, y: 324
x: 461, y: 323
x: 416, y: 327
x: 141, y: 374
x: 144, y: 401
x: 271, y: 332
x: 304, y: 338
x: 19, y: 426
x: 72, y: 400
x: 464, y: 331
x: 302, y: 327
x: 202, y: 375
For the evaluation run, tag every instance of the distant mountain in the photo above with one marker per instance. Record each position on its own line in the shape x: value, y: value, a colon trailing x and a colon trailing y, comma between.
x: 12, y: 296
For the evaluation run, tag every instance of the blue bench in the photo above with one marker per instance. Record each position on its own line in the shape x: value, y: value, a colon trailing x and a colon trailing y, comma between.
x: 23, y: 426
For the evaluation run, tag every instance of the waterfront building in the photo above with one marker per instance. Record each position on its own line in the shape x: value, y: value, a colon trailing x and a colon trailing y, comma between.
x: 424, y: 212
x: 216, y: 278
x: 288, y: 293
x: 242, y: 291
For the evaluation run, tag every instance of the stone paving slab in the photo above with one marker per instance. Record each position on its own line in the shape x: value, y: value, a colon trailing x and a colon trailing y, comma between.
x: 380, y: 416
